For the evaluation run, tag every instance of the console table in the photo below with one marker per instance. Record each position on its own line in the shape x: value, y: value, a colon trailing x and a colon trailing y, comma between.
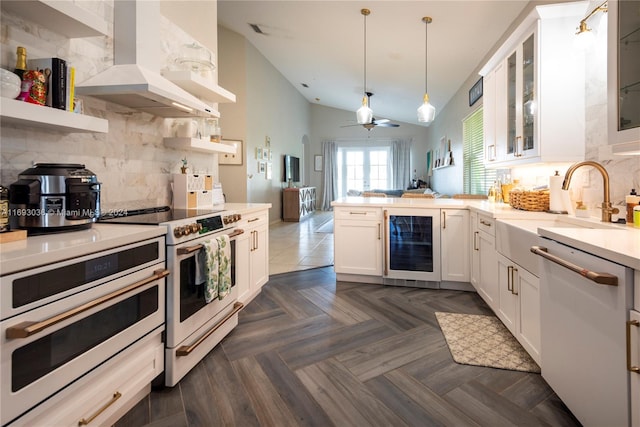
x: 298, y: 203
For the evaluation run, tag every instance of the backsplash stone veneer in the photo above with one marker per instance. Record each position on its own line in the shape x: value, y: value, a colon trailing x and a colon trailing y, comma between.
x: 130, y: 161
x: 624, y: 171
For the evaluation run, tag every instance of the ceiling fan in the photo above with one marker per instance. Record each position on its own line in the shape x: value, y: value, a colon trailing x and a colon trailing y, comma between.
x: 375, y: 122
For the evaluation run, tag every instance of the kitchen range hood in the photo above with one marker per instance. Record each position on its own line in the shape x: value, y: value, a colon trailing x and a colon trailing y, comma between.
x: 135, y: 80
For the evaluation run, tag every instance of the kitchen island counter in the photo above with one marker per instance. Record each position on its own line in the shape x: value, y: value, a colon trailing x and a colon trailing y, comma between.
x: 616, y: 242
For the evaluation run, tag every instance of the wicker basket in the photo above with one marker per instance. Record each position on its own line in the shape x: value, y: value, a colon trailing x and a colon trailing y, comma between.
x: 537, y: 201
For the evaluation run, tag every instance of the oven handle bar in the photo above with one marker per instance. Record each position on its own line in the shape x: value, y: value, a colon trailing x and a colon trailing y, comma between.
x: 185, y: 350
x: 196, y: 248
x: 26, y: 329
x: 599, y: 278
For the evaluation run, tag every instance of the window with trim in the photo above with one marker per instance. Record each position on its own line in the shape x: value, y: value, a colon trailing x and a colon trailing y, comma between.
x: 363, y: 168
x: 476, y: 178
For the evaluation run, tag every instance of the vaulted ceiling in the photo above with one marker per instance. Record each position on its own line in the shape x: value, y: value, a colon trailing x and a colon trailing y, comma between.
x: 319, y: 47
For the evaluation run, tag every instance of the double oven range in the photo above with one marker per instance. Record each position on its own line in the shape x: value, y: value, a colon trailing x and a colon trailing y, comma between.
x: 193, y: 327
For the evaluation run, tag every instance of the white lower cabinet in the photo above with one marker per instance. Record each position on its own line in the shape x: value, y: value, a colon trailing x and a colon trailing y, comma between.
x: 252, y: 255
x: 358, y: 241
x: 519, y: 307
x: 107, y: 393
x: 454, y: 235
x: 484, y: 261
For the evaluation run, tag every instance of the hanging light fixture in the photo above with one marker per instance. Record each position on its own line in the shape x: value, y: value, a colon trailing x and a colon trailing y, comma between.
x: 364, y: 114
x: 426, y: 112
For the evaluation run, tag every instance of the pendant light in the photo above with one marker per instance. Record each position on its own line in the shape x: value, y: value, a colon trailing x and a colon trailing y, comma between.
x: 426, y: 112
x: 364, y: 114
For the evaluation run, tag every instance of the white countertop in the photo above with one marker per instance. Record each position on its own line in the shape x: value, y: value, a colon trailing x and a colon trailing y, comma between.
x: 54, y: 247
x: 45, y: 249
x: 616, y: 242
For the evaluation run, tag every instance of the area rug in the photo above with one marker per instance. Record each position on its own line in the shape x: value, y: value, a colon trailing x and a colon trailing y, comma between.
x: 327, y: 227
x: 483, y: 341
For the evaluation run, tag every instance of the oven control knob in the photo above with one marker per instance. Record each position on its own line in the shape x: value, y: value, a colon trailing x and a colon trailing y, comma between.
x: 236, y: 217
x: 195, y: 227
x: 179, y: 231
x: 227, y: 219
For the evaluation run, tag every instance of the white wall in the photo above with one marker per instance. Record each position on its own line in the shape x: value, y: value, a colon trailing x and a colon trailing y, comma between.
x: 267, y: 106
x: 329, y: 123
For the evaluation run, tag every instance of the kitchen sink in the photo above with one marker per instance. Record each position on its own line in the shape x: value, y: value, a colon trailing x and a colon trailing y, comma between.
x: 514, y: 237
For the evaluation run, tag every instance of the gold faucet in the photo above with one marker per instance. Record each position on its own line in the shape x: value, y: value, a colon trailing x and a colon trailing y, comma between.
x: 607, y: 210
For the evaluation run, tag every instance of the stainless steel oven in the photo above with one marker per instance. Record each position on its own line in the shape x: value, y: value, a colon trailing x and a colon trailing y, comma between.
x: 61, y: 321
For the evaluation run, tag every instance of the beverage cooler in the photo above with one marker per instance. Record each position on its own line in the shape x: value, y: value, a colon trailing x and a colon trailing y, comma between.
x: 412, y: 244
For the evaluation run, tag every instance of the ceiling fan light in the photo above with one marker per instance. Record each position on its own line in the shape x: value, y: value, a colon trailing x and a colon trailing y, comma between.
x: 426, y: 112
x: 364, y: 114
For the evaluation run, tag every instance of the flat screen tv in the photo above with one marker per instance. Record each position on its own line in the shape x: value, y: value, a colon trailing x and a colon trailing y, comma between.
x: 291, y: 168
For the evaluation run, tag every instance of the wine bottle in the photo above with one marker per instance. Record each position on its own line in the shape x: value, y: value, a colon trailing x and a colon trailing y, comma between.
x: 21, y: 61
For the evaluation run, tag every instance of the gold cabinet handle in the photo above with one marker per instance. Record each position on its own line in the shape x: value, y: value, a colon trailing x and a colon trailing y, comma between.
x: 85, y: 421
x: 483, y: 222
x: 357, y: 213
x: 516, y: 154
x: 379, y: 232
x: 510, y: 278
x: 253, y: 219
x: 513, y: 281
x: 26, y: 329
x: 491, y: 152
x: 444, y: 220
x: 599, y: 278
x: 475, y: 241
x: 186, y: 350
x: 630, y: 368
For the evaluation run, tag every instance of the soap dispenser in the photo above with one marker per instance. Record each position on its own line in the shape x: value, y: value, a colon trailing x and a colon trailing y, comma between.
x: 632, y: 201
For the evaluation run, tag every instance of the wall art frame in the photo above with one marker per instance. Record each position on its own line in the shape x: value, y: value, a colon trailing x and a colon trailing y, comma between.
x: 475, y: 92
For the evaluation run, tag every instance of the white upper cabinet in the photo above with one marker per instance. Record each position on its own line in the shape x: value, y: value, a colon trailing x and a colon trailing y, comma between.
x: 624, y: 73
x: 534, y: 107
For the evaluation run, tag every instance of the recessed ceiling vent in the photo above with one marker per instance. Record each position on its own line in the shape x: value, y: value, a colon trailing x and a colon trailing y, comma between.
x: 256, y: 28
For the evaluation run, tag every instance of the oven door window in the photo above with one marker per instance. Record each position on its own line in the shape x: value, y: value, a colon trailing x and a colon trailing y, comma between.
x: 192, y: 293
x: 38, y: 358
x: 42, y: 285
x: 411, y: 243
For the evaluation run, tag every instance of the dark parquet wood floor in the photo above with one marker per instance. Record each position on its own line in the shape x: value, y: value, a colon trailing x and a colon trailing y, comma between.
x: 312, y: 352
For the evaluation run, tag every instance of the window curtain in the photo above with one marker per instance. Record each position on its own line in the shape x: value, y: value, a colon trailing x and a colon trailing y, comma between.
x: 401, y: 154
x: 329, y: 174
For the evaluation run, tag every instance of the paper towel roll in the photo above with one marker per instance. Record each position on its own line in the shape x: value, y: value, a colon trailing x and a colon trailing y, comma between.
x: 556, y: 199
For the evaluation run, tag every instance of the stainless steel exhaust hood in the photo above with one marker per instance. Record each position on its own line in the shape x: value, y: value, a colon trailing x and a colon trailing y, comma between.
x: 135, y: 80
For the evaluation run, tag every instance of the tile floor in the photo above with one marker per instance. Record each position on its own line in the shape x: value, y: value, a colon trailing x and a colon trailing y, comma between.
x: 295, y: 246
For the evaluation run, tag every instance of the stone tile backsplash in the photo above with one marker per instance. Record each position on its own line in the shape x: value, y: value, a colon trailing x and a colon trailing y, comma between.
x: 130, y: 161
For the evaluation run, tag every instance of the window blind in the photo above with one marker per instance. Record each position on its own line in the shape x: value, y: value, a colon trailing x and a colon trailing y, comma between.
x: 476, y: 178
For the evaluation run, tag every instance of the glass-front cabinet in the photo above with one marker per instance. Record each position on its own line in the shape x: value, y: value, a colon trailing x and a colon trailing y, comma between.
x: 534, y: 100
x: 624, y: 67
x: 521, y: 102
